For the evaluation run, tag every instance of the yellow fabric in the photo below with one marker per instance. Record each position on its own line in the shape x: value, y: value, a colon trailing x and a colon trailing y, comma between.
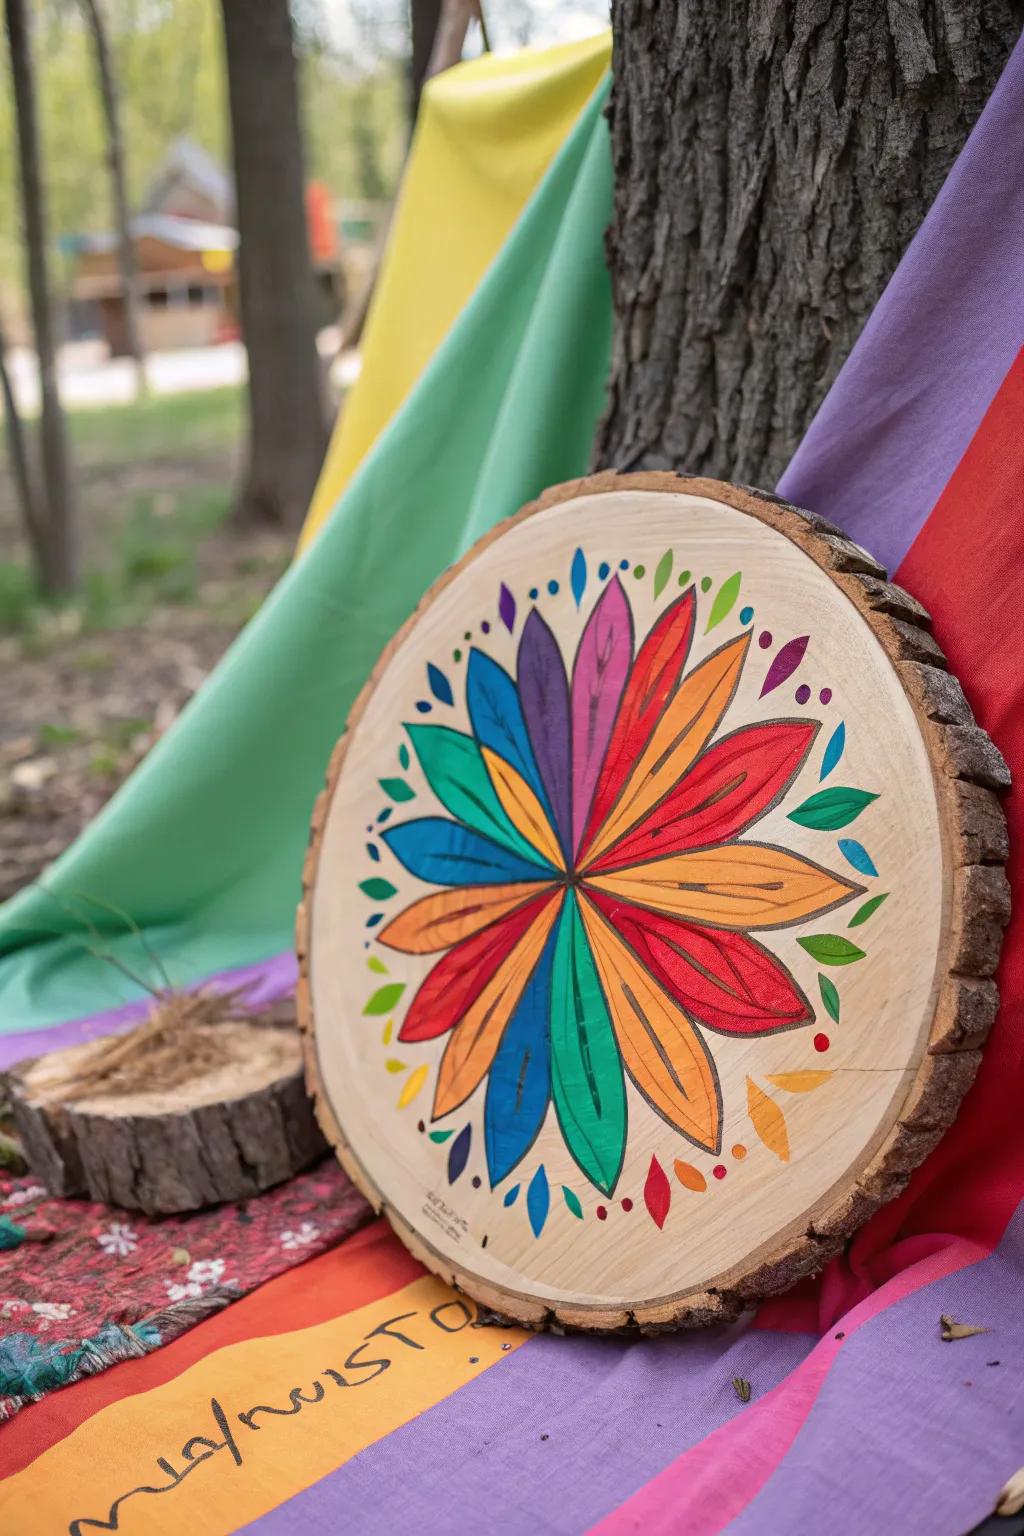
x: 164, y: 1459
x: 488, y: 131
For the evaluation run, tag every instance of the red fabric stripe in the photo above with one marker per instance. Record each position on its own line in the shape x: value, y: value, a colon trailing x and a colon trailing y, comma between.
x: 370, y: 1265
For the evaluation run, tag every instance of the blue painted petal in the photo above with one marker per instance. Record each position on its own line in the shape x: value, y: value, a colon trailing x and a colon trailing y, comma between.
x: 496, y: 716
x: 538, y: 1201
x: 445, y: 853
x: 578, y: 576
x: 458, y: 1156
x: 440, y: 687
x: 856, y: 854
x: 519, y: 1083
x: 834, y: 750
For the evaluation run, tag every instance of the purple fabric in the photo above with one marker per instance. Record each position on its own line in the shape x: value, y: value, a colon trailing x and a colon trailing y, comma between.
x: 546, y: 1442
x: 910, y: 1434
x: 264, y: 982
x: 934, y: 351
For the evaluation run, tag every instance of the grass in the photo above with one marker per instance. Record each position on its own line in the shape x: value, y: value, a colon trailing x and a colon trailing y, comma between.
x: 192, y: 425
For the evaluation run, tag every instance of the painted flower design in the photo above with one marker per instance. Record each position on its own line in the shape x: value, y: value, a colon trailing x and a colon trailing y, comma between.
x: 119, y: 1240
x: 302, y: 1236
x: 597, y: 898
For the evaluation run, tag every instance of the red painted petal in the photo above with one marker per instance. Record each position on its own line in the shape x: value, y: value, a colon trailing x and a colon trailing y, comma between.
x: 732, y: 785
x: 723, y: 980
x: 652, y: 682
x: 451, y: 987
x: 657, y: 1193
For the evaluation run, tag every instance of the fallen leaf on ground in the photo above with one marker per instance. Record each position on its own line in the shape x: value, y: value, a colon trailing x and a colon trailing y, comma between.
x: 741, y: 1387
x: 951, y: 1329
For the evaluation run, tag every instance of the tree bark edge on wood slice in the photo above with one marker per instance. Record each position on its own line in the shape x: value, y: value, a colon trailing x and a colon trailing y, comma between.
x: 967, y: 769
x: 180, y: 1149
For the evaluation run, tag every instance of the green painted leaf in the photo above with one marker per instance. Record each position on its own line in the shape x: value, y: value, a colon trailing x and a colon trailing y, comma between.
x: 377, y: 888
x: 662, y: 573
x: 863, y: 913
x: 385, y: 998
x: 455, y: 772
x: 376, y: 964
x: 725, y: 599
x: 831, y: 949
x: 397, y: 789
x: 572, y: 1201
x: 587, y: 1083
x: 830, y: 809
x: 403, y: 755
x: 441, y: 1136
x: 830, y: 997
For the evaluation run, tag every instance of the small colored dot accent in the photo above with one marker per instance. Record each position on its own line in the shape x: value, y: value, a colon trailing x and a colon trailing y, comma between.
x: 684, y: 577
x: 705, y: 583
x: 476, y: 1181
x: 719, y: 1170
x: 623, y: 565
x: 553, y: 588
x: 456, y: 654
x: 764, y: 639
x: 639, y: 571
x: 739, y: 1151
x: 421, y: 1127
x: 746, y: 614
x: 803, y: 693
x: 424, y: 706
x: 483, y: 1241
x: 602, y: 1214
x: 825, y: 695
x: 603, y: 570
x: 485, y: 627
x: 627, y: 1204
x: 821, y: 1042
x: 534, y: 593
x: 468, y: 635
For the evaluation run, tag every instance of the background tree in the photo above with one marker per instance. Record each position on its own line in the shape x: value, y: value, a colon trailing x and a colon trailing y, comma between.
x: 93, y: 10
x: 424, y: 16
x: 287, y: 405
x: 772, y: 160
x: 55, y: 542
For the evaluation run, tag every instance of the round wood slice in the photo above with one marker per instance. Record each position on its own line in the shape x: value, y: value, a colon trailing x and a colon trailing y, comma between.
x: 241, y: 1122
x: 651, y: 908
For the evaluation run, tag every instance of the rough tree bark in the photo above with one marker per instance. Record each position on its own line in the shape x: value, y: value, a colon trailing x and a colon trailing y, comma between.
x: 772, y: 160
x: 424, y: 16
x: 17, y: 452
x: 287, y: 404
x: 118, y: 184
x: 58, y: 545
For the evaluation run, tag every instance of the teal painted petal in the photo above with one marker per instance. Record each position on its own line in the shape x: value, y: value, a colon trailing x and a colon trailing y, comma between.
x: 538, y: 1201
x: 455, y: 772
x: 587, y: 1082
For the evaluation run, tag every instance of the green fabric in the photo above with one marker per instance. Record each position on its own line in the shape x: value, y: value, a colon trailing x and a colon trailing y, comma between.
x: 203, y: 846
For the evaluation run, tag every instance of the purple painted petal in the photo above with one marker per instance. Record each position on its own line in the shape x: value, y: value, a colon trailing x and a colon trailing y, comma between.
x: 544, y: 695
x: 602, y: 665
x: 785, y: 663
x: 506, y: 608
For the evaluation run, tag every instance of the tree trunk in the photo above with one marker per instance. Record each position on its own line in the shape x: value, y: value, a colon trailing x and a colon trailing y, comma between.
x: 424, y: 16
x: 450, y: 35
x: 772, y: 160
x: 118, y: 184
x: 58, y: 571
x: 21, y: 469
x: 287, y: 404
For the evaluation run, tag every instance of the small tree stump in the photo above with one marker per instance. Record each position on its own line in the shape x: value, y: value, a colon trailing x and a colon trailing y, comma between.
x: 230, y: 1119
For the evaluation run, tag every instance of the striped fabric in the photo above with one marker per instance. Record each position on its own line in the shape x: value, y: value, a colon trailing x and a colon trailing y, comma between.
x: 355, y: 1393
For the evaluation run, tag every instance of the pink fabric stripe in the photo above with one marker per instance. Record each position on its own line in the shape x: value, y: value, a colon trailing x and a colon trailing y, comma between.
x: 703, y: 1490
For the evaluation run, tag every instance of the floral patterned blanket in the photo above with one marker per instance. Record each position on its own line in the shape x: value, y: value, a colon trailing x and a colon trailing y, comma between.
x: 83, y: 1286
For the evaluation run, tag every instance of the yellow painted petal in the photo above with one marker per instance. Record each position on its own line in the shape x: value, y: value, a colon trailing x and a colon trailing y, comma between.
x: 474, y: 1041
x: 522, y: 807
x: 739, y: 885
x: 412, y: 1085
x: 690, y: 719
x: 663, y: 1053
x: 437, y: 922
x: 798, y: 1082
x: 768, y: 1121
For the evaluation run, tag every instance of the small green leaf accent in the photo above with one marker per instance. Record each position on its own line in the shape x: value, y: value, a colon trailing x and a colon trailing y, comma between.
x: 831, y: 949
x: 662, y: 573
x: 830, y: 997
x: 385, y: 998
x: 863, y: 913
x: 377, y: 965
x: 377, y: 888
x: 441, y: 1136
x: 725, y: 599
x: 394, y: 1065
x: 572, y: 1201
x: 403, y: 755
x: 830, y: 809
x: 397, y: 789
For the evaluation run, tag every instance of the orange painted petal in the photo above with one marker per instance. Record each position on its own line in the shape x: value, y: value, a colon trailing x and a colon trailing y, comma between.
x: 690, y: 719
x: 475, y: 1039
x: 449, y: 916
x: 663, y: 1053
x: 740, y: 885
x: 522, y: 807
